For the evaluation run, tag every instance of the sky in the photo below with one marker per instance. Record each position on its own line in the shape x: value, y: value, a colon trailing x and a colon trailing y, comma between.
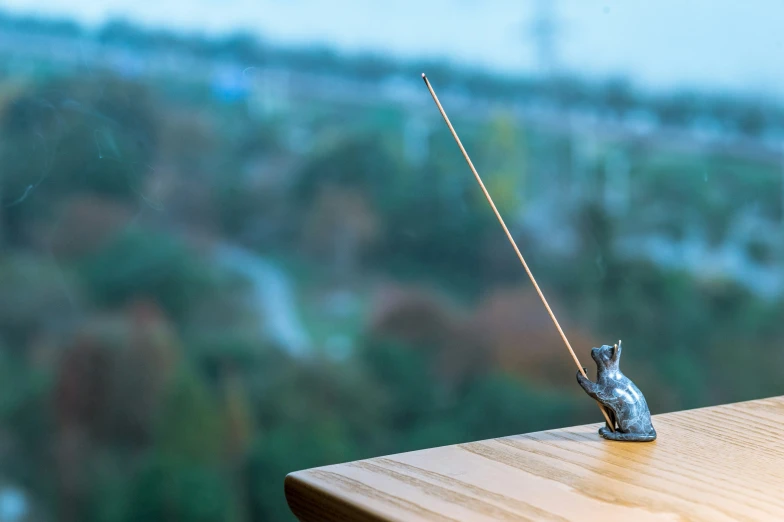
x: 715, y: 45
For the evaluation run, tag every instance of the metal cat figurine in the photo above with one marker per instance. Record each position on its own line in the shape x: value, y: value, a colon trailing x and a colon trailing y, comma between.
x: 624, y: 402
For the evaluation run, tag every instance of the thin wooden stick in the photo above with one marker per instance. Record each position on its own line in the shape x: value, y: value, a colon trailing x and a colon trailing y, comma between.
x: 512, y: 241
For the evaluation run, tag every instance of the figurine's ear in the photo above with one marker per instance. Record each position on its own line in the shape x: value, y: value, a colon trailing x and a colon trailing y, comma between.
x: 617, y: 352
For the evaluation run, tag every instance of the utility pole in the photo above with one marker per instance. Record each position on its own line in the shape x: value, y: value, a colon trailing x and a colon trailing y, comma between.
x: 544, y: 30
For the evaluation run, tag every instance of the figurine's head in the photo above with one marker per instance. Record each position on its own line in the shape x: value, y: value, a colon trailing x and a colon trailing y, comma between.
x: 607, y: 357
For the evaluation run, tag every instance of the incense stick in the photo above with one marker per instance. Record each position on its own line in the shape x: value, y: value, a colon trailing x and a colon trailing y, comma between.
x: 512, y: 241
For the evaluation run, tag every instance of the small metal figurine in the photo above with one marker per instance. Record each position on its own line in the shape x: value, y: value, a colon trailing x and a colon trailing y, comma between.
x: 623, y: 400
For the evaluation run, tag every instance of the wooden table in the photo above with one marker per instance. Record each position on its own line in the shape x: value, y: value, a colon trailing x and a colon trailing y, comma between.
x: 719, y: 463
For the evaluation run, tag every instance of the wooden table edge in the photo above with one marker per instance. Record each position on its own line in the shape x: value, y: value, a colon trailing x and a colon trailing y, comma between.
x: 301, y: 488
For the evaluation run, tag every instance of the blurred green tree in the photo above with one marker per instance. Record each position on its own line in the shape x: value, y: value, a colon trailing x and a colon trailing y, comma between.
x: 140, y: 262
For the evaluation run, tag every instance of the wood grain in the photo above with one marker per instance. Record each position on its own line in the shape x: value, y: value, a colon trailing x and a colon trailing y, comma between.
x: 723, y: 463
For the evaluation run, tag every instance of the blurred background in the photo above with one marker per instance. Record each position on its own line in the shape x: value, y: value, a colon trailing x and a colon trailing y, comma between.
x: 238, y: 239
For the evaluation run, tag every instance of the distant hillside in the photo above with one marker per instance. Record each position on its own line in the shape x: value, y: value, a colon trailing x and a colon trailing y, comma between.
x: 612, y: 99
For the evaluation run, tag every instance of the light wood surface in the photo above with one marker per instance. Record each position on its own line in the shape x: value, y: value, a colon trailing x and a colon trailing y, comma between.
x: 723, y: 463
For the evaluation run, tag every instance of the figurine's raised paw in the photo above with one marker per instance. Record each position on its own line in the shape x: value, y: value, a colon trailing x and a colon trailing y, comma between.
x: 586, y: 384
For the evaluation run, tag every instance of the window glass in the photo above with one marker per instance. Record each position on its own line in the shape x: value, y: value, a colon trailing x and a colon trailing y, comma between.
x: 238, y: 239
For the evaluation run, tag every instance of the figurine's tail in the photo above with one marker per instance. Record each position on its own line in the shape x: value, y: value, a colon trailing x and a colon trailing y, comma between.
x: 629, y: 437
